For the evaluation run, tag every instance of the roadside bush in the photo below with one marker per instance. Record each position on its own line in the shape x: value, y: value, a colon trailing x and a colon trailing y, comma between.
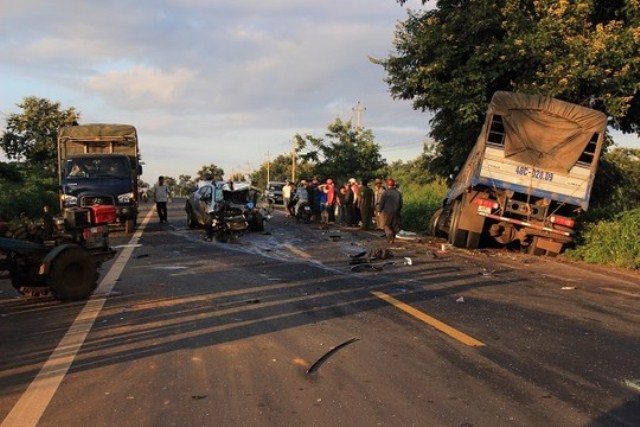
x: 613, y: 242
x: 25, y: 191
x: 420, y: 202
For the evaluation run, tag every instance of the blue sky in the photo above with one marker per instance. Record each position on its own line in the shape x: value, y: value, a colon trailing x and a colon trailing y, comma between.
x: 212, y: 81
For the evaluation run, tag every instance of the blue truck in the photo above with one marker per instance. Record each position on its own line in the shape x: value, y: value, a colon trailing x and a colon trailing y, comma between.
x: 528, y: 176
x: 99, y: 164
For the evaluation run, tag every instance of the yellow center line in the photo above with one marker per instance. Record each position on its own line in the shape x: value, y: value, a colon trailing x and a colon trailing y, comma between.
x: 297, y: 251
x: 442, y: 327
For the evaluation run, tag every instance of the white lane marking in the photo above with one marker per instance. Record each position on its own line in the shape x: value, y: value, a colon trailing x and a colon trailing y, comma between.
x: 34, y: 401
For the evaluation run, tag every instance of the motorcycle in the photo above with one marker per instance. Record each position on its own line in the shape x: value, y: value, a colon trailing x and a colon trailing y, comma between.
x: 304, y: 212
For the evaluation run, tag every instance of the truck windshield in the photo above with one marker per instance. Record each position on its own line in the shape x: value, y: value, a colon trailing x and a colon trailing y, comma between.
x: 96, y: 168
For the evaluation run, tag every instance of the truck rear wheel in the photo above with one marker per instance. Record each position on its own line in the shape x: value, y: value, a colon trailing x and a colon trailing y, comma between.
x: 73, y: 275
x: 457, y: 237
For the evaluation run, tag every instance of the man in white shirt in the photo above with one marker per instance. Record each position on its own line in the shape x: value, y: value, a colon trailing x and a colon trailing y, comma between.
x: 161, y: 195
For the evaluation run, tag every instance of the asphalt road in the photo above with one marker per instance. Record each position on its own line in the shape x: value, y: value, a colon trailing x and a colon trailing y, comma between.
x: 280, y: 329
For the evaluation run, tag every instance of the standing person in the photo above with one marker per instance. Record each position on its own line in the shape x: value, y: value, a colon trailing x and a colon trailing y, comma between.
x: 330, y: 189
x: 378, y: 190
x: 389, y: 208
x: 366, y: 204
x: 342, y: 205
x: 355, y: 210
x: 161, y: 194
x: 286, y: 198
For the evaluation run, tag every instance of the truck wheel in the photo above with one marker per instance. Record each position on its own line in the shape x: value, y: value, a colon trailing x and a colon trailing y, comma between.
x: 473, y: 240
x: 457, y: 237
x: 73, y: 275
x: 434, y: 224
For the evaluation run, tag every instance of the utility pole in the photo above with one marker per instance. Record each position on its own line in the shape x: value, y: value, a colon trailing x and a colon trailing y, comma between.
x: 268, y: 168
x: 293, y: 162
x: 358, y: 109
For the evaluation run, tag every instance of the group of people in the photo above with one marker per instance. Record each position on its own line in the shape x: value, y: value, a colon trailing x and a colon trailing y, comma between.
x: 351, y: 204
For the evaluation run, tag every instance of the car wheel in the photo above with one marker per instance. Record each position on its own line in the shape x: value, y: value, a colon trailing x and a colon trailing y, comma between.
x: 191, y: 223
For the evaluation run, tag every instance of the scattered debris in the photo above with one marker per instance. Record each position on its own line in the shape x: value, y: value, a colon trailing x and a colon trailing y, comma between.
x: 460, y: 300
x: 568, y: 288
x: 328, y: 354
x: 253, y: 301
x: 141, y: 256
x: 199, y: 396
x: 486, y: 272
x: 365, y: 266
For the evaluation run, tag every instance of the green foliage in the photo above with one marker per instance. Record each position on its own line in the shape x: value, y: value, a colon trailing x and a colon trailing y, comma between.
x: 347, y: 152
x: 612, y: 242
x: 26, y: 190
x: 420, y: 202
x: 211, y: 172
x: 617, y: 184
x: 32, y: 135
x: 451, y: 59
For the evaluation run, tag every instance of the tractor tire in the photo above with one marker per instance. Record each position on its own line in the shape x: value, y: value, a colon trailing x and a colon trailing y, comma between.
x: 73, y: 275
x: 434, y: 224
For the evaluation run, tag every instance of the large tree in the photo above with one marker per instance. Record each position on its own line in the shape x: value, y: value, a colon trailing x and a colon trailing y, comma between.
x: 345, y: 152
x: 451, y: 59
x: 211, y: 172
x: 31, y: 136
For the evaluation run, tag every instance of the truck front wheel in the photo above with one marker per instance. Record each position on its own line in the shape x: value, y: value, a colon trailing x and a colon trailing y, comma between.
x: 73, y: 275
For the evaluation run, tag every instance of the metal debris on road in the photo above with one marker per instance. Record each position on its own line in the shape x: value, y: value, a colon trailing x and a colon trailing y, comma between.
x: 199, y: 396
x: 141, y: 256
x: 568, y: 288
x: 460, y: 300
x: 328, y: 354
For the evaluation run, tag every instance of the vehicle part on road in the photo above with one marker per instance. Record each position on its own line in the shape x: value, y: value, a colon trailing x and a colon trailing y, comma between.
x: 328, y: 354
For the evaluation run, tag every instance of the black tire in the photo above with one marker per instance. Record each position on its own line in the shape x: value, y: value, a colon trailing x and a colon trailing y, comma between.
x: 434, y: 224
x: 473, y: 240
x: 223, y: 237
x: 73, y: 275
x: 457, y: 237
x: 258, y: 224
x: 191, y: 222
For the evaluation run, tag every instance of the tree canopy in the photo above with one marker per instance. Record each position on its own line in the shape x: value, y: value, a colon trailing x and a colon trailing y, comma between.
x: 31, y: 136
x: 211, y: 172
x: 343, y: 153
x: 451, y: 59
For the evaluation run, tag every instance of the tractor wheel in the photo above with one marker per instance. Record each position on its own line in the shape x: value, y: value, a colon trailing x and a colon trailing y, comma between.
x: 73, y: 275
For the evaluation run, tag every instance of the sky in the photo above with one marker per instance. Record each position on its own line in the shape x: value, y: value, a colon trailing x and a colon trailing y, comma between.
x: 228, y: 82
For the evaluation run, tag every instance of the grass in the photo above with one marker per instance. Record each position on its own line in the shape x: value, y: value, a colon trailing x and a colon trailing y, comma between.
x: 420, y: 202
x: 614, y: 242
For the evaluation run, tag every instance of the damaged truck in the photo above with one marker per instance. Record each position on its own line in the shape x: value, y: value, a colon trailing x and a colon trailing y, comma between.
x: 527, y: 178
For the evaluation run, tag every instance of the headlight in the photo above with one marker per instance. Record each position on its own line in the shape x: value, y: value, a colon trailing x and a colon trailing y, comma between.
x: 68, y: 200
x: 125, y: 198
